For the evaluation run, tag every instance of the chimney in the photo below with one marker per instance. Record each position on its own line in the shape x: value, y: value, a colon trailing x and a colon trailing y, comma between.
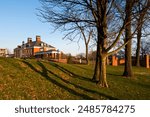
x: 19, y: 46
x: 22, y: 42
x: 38, y: 38
x: 29, y: 40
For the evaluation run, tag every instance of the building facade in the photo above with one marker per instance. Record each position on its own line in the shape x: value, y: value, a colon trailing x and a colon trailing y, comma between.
x: 37, y: 48
x: 3, y: 52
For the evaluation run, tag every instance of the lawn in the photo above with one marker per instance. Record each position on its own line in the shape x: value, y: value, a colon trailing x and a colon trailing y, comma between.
x: 39, y: 80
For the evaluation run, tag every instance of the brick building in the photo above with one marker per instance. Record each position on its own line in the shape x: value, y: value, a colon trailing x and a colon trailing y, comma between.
x: 36, y: 48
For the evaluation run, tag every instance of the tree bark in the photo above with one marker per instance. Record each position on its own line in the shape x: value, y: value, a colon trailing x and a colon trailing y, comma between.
x: 87, y: 58
x: 100, y: 67
x: 102, y: 80
x: 128, y: 36
x: 140, y: 22
x: 128, y: 61
x: 138, y: 46
x: 96, y: 75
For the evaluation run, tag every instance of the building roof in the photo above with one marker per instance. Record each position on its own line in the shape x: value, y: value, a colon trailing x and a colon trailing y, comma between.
x: 37, y: 43
x: 40, y: 44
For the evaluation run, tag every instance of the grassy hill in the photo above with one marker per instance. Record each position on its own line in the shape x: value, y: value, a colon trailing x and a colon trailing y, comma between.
x: 31, y: 79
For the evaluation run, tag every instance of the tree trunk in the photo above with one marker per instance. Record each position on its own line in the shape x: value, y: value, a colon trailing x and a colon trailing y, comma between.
x: 128, y: 61
x: 138, y: 47
x: 140, y: 22
x: 128, y: 37
x: 102, y: 80
x: 100, y: 71
x: 96, y: 75
x: 87, y: 58
x: 100, y: 67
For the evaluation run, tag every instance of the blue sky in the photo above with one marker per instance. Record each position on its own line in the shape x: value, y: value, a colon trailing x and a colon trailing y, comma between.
x: 18, y: 21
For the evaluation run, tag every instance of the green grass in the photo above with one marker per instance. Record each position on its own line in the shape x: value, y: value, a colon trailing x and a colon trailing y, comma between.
x: 31, y: 79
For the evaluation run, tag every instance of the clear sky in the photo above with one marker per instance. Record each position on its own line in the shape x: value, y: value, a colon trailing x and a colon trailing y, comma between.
x: 18, y: 21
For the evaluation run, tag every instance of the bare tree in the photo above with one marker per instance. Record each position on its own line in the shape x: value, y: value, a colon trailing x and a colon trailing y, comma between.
x: 93, y: 13
x: 143, y: 7
x: 86, y: 41
x: 80, y: 31
x: 128, y: 37
x: 145, y: 47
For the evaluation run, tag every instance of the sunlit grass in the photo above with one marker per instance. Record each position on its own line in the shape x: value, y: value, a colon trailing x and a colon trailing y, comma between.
x: 31, y: 79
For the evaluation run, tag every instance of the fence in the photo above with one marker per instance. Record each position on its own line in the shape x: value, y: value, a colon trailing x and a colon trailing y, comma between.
x: 145, y: 62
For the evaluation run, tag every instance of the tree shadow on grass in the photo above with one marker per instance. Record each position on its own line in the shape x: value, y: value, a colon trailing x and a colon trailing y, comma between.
x: 75, y: 85
x: 44, y: 73
x: 114, y: 74
x: 70, y: 73
x: 81, y: 67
